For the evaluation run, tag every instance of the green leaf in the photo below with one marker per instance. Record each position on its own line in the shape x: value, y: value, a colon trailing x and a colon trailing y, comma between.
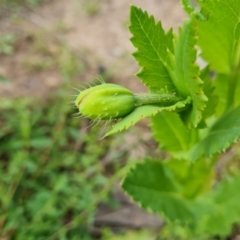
x: 224, y: 208
x: 165, y: 66
x: 152, y: 186
x: 221, y: 89
x: 169, y: 130
x: 208, y: 89
x: 169, y: 40
x: 227, y: 87
x: 220, y: 136
x: 152, y: 44
x: 219, y: 35
x: 192, y: 9
x: 4, y: 79
x: 143, y: 112
x: 195, y: 178
x: 129, y: 235
x: 40, y: 142
x: 186, y: 72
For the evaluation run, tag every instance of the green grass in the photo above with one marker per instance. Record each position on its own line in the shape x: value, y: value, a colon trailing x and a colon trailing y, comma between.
x: 51, y: 174
x: 53, y: 171
x: 91, y: 7
x: 6, y: 44
x: 16, y: 3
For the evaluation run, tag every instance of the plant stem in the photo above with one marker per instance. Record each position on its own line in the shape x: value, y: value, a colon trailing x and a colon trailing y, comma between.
x: 165, y: 99
x: 232, y: 85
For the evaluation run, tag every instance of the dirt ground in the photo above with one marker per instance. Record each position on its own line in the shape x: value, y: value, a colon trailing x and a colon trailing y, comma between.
x: 98, y: 29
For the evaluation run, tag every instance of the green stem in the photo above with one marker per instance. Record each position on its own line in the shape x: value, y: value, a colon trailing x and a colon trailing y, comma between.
x: 232, y: 85
x: 165, y: 99
x: 193, y: 10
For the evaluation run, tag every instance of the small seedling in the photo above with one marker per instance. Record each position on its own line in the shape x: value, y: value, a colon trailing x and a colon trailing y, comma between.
x: 6, y: 44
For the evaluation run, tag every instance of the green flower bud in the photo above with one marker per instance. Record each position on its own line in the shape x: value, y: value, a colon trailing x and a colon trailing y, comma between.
x: 111, y: 101
x: 106, y: 101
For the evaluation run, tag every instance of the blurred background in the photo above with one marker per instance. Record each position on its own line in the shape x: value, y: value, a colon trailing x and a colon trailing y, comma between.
x: 58, y: 180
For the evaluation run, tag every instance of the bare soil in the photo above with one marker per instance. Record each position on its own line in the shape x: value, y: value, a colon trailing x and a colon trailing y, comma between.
x: 102, y: 37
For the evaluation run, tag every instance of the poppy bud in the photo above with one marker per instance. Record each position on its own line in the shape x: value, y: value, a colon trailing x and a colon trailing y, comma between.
x: 106, y: 101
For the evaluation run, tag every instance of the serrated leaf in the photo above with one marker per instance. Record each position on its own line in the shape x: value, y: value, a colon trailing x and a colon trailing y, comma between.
x: 186, y: 72
x: 169, y: 40
x: 151, y: 185
x: 169, y: 130
x: 195, y: 178
x: 220, y: 136
x: 165, y: 66
x: 144, y: 112
x: 152, y: 44
x: 208, y: 89
x: 224, y: 208
x: 219, y: 35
